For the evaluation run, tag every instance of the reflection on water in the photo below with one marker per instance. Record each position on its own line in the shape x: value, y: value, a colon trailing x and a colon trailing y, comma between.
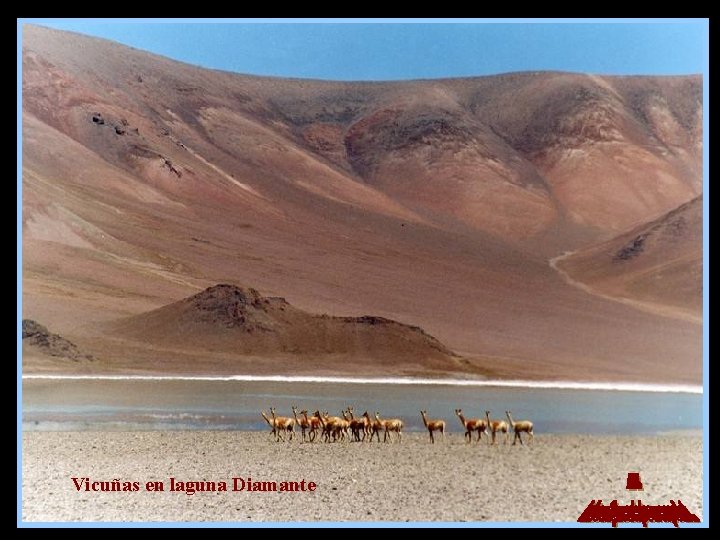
x: 232, y: 405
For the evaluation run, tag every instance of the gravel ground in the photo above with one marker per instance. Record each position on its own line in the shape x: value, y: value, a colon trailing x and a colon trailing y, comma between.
x: 552, y: 480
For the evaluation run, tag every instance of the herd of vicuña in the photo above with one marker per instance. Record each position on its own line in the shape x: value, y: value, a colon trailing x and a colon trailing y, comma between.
x: 349, y: 427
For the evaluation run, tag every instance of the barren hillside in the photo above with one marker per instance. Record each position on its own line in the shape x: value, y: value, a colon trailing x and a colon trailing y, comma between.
x: 659, y: 263
x: 434, y: 203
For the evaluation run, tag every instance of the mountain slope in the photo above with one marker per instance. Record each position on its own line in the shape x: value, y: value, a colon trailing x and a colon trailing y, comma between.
x: 658, y: 263
x: 437, y: 203
x: 455, y: 148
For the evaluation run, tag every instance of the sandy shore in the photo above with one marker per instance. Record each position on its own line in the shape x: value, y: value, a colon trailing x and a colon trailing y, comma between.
x: 413, y: 481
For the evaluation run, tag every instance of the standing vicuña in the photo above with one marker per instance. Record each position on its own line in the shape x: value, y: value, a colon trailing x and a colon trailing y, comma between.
x: 313, y: 422
x: 519, y: 427
x: 433, y: 425
x: 272, y: 424
x: 495, y: 426
x: 394, y: 424
x: 358, y: 424
x: 303, y: 422
x: 472, y: 424
x: 283, y: 423
x: 374, y: 426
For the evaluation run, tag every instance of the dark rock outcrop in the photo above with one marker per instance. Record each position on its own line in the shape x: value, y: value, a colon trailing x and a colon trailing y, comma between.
x: 36, y: 335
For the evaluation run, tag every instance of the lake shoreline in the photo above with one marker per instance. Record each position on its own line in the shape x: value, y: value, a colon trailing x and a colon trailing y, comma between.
x: 560, y: 385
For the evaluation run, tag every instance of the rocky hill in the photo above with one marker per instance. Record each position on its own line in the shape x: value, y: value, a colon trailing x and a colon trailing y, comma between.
x: 36, y: 337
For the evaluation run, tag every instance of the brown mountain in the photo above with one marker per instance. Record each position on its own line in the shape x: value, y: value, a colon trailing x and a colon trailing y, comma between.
x: 226, y: 318
x: 658, y: 264
x: 437, y: 203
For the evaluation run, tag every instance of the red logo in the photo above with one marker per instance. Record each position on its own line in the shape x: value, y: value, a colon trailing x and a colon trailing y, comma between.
x: 636, y: 512
x: 633, y: 482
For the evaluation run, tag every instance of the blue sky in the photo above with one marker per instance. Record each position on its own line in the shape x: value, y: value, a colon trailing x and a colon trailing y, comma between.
x: 389, y: 51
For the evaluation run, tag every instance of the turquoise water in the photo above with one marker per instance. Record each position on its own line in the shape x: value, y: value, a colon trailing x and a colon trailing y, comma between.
x: 235, y: 405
